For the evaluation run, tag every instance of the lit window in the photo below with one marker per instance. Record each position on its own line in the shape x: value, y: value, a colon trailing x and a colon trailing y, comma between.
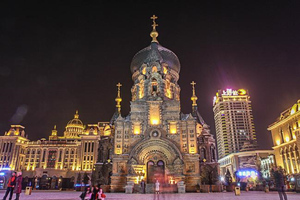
x: 154, y: 69
x: 165, y: 70
x: 154, y: 114
x: 136, y: 129
x: 168, y: 91
x: 173, y: 127
x: 141, y: 89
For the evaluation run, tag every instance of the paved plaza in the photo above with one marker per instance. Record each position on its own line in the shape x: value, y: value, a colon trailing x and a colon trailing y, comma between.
x: 56, y: 195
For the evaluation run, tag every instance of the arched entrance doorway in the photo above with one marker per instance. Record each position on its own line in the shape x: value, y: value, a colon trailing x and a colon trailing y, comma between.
x: 155, y: 171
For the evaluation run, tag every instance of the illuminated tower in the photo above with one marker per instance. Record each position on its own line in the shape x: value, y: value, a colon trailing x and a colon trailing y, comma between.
x: 156, y: 141
x: 234, y: 122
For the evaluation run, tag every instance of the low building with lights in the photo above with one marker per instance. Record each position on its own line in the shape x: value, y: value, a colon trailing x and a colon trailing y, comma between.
x: 243, y: 164
x: 60, y: 157
x: 286, y: 139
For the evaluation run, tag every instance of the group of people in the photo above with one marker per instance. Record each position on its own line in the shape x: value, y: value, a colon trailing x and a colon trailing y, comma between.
x: 14, y: 186
x: 94, y: 193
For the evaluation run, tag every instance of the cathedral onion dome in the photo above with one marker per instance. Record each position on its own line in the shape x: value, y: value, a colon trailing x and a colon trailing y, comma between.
x: 74, y: 127
x: 155, y: 53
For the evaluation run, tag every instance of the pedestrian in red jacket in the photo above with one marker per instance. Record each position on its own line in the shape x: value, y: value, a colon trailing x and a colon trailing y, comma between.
x: 18, y: 188
x: 10, y: 186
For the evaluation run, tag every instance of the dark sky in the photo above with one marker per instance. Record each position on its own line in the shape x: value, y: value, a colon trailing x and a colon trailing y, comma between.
x: 58, y: 57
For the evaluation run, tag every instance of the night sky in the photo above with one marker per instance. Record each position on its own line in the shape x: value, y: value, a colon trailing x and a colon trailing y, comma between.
x: 58, y: 57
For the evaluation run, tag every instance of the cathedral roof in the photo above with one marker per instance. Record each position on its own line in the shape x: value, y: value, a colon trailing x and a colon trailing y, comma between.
x: 155, y: 53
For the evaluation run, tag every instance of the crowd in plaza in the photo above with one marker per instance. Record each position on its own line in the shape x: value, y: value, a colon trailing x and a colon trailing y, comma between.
x: 14, y: 185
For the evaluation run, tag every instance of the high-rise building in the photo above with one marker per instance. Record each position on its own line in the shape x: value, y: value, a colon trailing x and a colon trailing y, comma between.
x: 234, y: 122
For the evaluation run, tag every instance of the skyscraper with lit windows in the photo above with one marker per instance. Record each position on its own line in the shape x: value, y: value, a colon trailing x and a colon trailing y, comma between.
x: 234, y: 122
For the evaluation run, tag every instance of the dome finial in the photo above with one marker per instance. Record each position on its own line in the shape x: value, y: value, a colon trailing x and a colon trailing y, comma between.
x: 54, y: 131
x: 154, y: 33
x: 119, y: 99
x: 194, y: 97
x: 76, y: 116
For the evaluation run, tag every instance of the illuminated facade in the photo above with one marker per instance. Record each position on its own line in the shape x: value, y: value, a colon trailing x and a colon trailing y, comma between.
x: 234, y: 122
x: 12, y: 149
x: 286, y: 139
x: 59, y: 156
x: 157, y: 141
x: 248, y: 161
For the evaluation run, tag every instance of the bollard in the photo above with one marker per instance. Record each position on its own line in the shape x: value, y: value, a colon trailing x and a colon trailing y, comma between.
x: 28, y: 190
x: 237, y: 191
x: 267, y: 189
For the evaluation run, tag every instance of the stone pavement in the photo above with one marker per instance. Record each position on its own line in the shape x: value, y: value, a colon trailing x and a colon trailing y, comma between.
x: 252, y: 195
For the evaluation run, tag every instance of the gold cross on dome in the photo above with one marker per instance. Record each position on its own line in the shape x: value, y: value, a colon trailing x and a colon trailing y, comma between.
x: 154, y: 25
x: 193, y: 83
x: 119, y: 88
x: 119, y: 85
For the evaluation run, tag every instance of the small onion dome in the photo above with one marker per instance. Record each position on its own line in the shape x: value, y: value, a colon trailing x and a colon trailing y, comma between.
x: 194, y: 98
x: 118, y: 99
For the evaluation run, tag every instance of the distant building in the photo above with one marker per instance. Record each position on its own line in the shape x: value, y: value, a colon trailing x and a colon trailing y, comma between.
x: 249, y: 161
x: 286, y: 139
x: 57, y: 158
x: 234, y: 122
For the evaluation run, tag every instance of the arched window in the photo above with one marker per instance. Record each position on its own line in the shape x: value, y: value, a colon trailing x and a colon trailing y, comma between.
x: 165, y: 70
x: 144, y: 70
x: 154, y: 85
x: 168, y: 91
x: 212, y: 153
x: 154, y: 69
x: 160, y: 163
x: 202, y: 153
x: 291, y: 132
x: 281, y: 136
x: 141, y: 89
x: 297, y: 155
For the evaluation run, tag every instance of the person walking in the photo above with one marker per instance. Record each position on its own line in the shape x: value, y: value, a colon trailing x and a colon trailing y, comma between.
x: 157, y: 187
x: 279, y: 181
x: 95, y: 191
x: 87, y: 194
x: 18, y: 188
x: 10, y: 186
x: 143, y: 184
